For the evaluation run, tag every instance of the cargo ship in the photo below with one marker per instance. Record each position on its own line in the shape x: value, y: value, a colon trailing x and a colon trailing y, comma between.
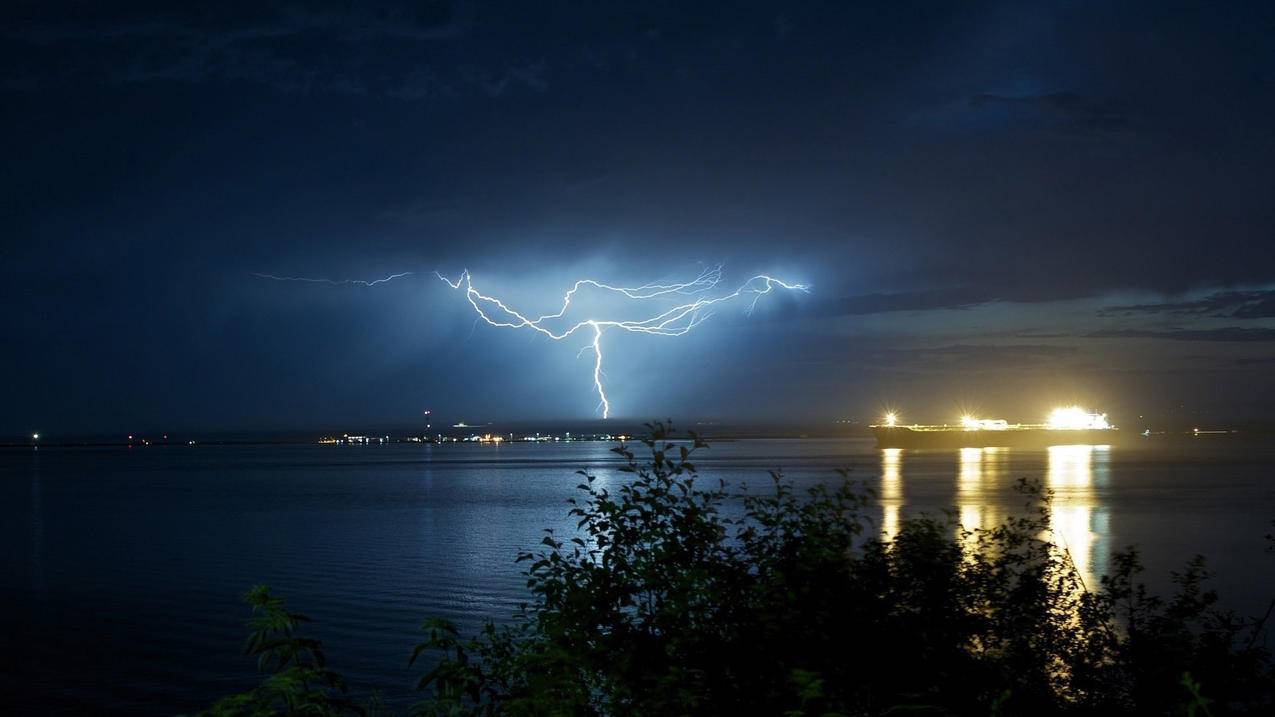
x: 1072, y: 425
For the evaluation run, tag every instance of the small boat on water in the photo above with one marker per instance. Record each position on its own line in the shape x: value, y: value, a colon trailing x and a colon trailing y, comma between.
x: 1065, y: 426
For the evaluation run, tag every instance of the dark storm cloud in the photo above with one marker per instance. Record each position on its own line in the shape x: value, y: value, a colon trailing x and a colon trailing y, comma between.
x: 1222, y: 304
x: 1250, y: 361
x: 941, y: 173
x: 972, y: 357
x: 1229, y: 334
x: 953, y: 299
x: 947, y: 359
x: 1064, y: 113
x: 403, y: 50
x: 956, y: 298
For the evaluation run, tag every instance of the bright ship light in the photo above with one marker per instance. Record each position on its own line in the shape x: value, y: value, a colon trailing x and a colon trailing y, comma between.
x: 891, y: 419
x: 1075, y: 418
x: 971, y: 423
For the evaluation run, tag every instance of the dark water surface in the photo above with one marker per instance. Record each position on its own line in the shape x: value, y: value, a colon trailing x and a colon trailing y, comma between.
x: 123, y: 569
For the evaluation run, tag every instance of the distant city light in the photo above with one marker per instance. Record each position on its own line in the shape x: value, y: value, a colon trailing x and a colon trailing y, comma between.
x: 1075, y: 418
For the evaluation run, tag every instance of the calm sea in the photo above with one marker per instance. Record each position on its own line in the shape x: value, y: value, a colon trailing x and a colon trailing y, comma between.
x: 123, y: 569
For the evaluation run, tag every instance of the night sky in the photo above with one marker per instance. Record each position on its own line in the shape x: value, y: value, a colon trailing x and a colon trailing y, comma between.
x: 998, y: 206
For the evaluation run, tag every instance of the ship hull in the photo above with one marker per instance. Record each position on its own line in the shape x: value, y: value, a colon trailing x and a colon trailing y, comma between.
x: 906, y: 437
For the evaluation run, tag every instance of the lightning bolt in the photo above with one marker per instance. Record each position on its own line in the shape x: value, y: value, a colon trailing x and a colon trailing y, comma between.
x: 676, y: 320
x: 334, y: 282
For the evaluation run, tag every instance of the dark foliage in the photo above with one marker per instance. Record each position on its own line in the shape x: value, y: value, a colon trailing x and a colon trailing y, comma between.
x: 298, y: 680
x: 674, y: 598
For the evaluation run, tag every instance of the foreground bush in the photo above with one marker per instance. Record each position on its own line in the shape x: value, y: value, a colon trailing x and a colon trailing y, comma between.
x: 673, y: 598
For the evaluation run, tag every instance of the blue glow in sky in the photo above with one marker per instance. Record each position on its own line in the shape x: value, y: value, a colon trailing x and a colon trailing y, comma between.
x: 1004, y: 203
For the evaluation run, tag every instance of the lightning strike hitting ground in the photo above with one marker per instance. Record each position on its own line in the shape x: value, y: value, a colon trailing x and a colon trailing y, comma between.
x: 673, y: 321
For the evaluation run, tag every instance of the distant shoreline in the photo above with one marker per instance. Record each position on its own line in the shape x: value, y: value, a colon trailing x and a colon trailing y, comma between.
x: 516, y: 437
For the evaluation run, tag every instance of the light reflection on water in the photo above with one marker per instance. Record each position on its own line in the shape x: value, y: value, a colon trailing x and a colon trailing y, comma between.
x: 981, y: 473
x: 891, y: 492
x: 1079, y: 523
x: 984, y: 476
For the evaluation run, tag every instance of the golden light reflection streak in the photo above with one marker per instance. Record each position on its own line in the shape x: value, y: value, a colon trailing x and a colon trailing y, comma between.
x: 968, y: 496
x: 891, y: 491
x: 977, y: 469
x: 1069, y: 476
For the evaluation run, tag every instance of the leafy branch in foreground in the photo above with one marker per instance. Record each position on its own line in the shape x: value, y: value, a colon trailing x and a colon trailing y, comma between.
x: 672, y: 597
x: 298, y: 680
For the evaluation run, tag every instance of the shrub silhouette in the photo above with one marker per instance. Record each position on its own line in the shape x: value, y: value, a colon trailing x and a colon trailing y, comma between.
x: 299, y: 681
x: 676, y: 598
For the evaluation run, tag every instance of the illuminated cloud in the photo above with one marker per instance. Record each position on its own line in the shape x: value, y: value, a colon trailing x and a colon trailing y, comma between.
x: 677, y: 319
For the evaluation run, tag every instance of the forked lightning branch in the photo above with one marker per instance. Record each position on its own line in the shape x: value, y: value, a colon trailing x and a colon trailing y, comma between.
x: 677, y: 308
